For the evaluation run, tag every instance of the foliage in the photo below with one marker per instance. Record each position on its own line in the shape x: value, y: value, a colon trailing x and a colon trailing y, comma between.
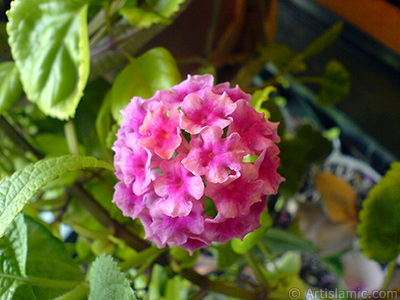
x: 68, y: 70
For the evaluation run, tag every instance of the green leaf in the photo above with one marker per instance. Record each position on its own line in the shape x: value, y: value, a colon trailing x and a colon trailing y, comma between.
x: 183, y: 257
x: 251, y: 239
x: 318, y: 45
x: 166, y: 8
x: 156, y: 12
x: 307, y: 147
x: 10, y: 85
x: 324, y: 40
x: 379, y: 225
x: 335, y: 84
x: 154, y: 70
x: 142, y: 19
x: 104, y: 119
x: 226, y: 256
x: 50, y: 46
x: 13, y: 254
x: 278, y: 240
x: 107, y: 282
x: 17, y: 189
x: 49, y: 259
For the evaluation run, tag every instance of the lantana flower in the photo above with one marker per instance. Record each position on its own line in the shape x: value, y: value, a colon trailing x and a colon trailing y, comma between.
x: 191, y: 146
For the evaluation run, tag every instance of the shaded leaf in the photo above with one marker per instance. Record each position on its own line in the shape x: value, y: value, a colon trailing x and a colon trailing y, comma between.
x: 17, y: 189
x: 13, y: 254
x: 48, y: 258
x: 10, y: 85
x: 107, y: 282
x: 50, y: 46
x: 324, y: 40
x: 279, y: 240
x: 307, y: 147
x: 154, y: 70
x: 379, y: 225
x: 226, y: 256
x: 335, y: 84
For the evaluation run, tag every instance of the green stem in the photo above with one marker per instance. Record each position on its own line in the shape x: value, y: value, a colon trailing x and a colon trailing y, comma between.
x: 105, y: 219
x: 139, y: 245
x: 256, y: 269
x: 264, y: 250
x: 17, y: 138
x: 43, y: 282
x: 78, y: 292
x: 72, y: 139
x: 221, y: 286
x: 391, y: 268
x: 211, y: 29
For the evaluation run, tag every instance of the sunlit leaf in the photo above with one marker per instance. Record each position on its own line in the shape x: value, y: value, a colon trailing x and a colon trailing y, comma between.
x: 156, y: 12
x: 154, y: 70
x: 50, y: 46
x: 142, y: 19
x: 379, y: 225
x: 107, y: 281
x: 10, y: 85
x: 335, y: 84
x: 17, y: 189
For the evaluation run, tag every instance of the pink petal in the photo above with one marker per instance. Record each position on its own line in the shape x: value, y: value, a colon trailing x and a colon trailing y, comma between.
x: 234, y: 94
x: 268, y: 163
x: 255, y: 131
x: 236, y: 195
x: 162, y: 133
x: 211, y: 156
x: 177, y: 187
x: 209, y: 110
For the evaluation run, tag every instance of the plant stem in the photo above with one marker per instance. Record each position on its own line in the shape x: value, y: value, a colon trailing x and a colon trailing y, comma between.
x: 138, y: 244
x: 105, y: 219
x: 43, y: 282
x: 78, y: 292
x: 17, y: 138
x: 256, y: 269
x: 221, y: 287
x: 211, y: 29
x: 72, y: 139
x: 391, y: 268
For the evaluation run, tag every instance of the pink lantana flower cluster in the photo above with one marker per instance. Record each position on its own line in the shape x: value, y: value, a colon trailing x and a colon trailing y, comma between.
x: 195, y: 163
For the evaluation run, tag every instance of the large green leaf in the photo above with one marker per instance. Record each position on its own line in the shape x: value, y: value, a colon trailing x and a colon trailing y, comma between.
x: 379, y: 225
x: 49, y: 259
x: 50, y: 45
x: 17, y: 189
x: 107, y: 281
x: 10, y: 85
x: 335, y: 84
x: 154, y: 70
x: 13, y: 253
